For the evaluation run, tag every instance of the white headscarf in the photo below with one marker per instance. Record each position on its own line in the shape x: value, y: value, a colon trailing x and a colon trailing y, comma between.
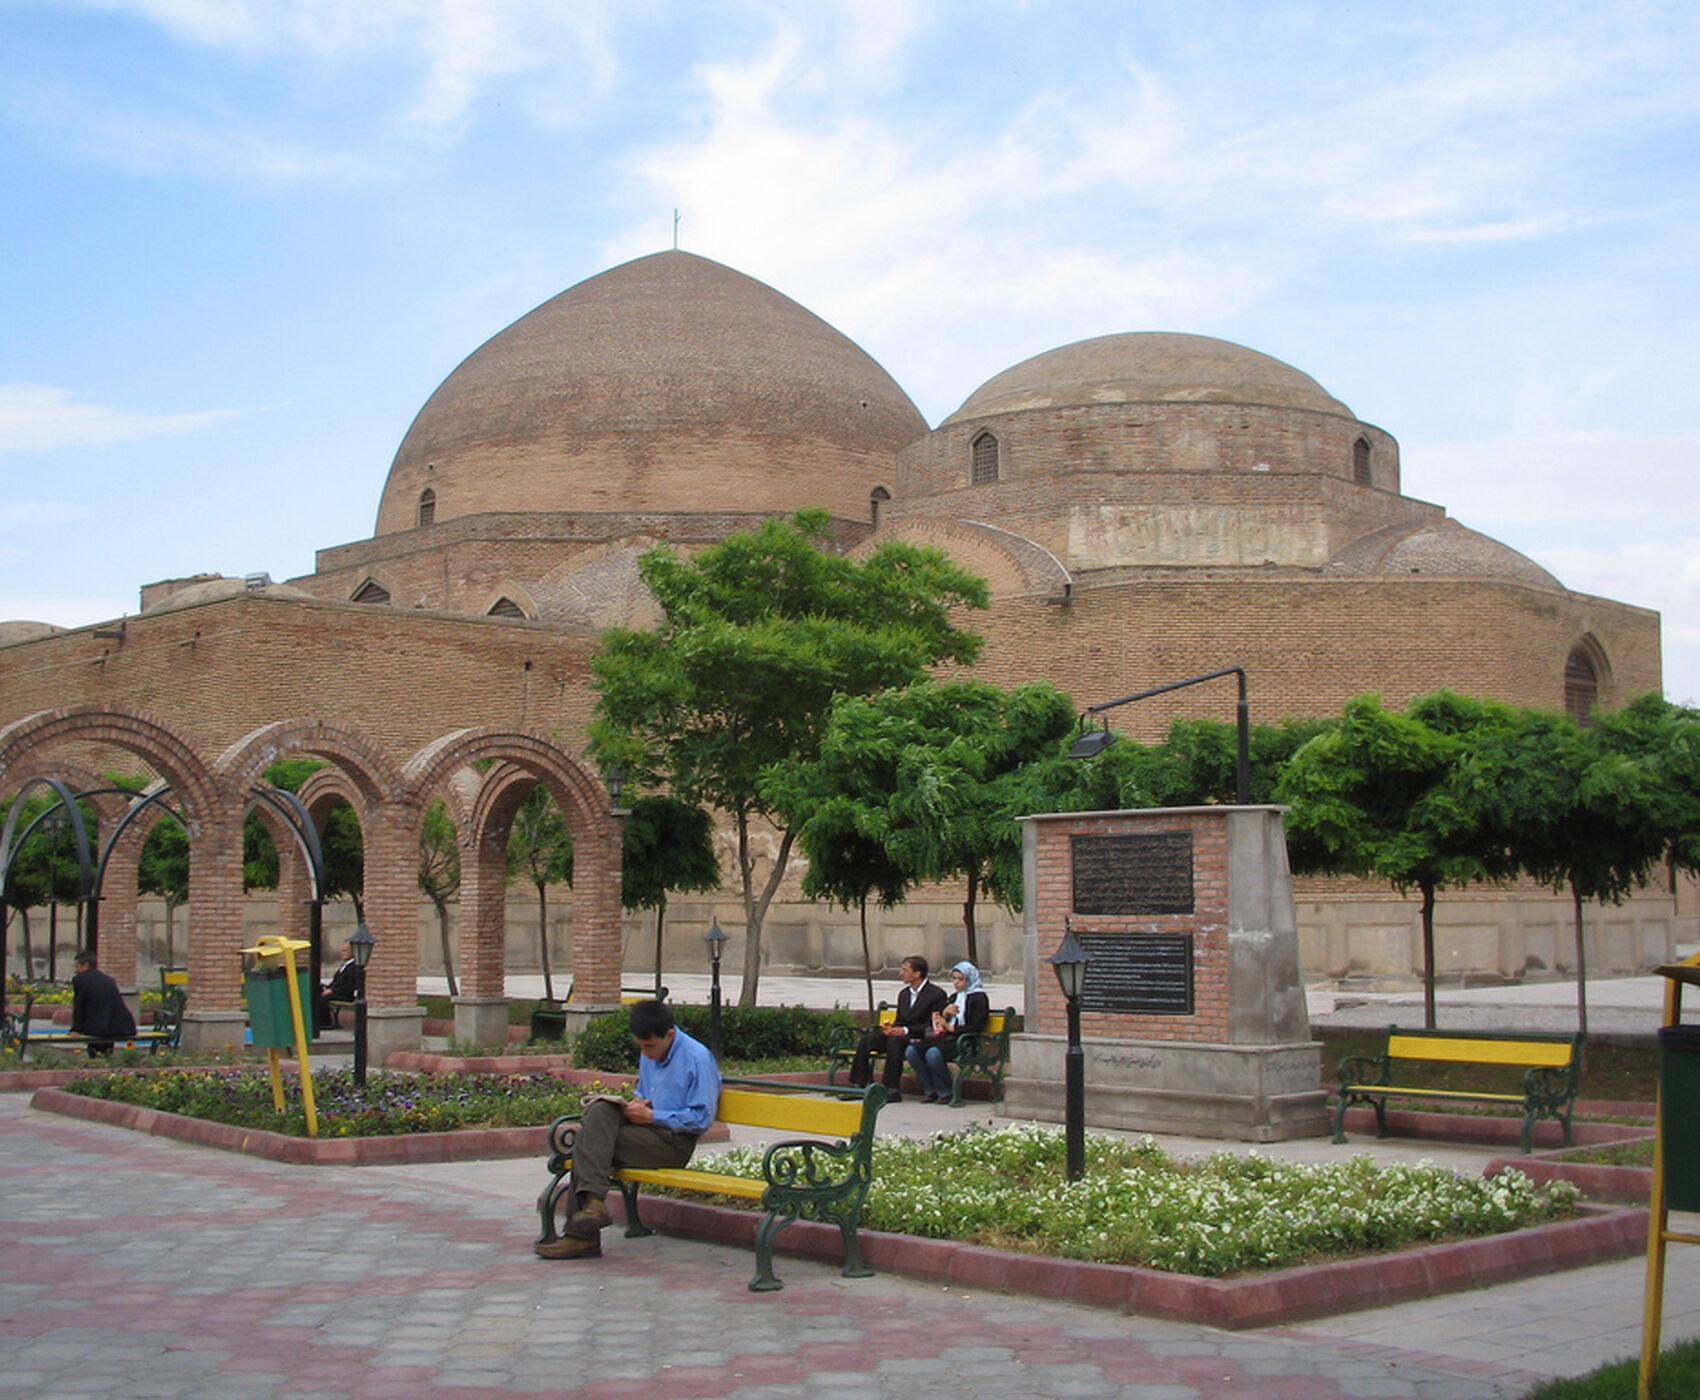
x: 971, y: 975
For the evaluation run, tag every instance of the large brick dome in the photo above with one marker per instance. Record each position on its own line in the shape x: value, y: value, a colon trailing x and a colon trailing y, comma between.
x: 668, y: 384
x: 1148, y: 367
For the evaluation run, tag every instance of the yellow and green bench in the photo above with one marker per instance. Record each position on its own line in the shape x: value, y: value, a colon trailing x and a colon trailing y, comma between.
x: 802, y: 1178
x: 1550, y: 1064
x: 982, y: 1054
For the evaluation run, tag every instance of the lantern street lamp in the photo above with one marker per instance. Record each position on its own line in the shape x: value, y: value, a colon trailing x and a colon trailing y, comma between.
x: 716, y: 940
x: 1069, y: 962
x: 614, y: 777
x: 361, y: 945
x: 1092, y: 742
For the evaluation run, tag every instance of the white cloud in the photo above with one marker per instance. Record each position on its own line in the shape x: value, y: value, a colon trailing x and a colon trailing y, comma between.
x: 34, y: 417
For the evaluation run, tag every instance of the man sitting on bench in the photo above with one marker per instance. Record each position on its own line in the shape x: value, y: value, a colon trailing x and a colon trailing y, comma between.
x: 678, y: 1094
x: 97, y: 1007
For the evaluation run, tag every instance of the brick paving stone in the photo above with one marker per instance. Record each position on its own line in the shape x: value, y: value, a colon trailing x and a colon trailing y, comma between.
x: 132, y: 1266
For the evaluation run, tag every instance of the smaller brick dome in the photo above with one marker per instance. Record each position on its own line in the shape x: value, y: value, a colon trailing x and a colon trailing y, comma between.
x: 1148, y: 367
x: 22, y: 630
x: 1443, y: 547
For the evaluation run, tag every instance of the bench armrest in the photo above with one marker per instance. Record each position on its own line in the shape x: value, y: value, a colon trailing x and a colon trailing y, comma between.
x: 1362, y: 1069
x: 1550, y: 1084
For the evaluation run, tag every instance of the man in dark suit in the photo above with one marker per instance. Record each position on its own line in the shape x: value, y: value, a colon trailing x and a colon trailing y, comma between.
x: 343, y: 986
x: 915, y: 1006
x: 98, y: 1009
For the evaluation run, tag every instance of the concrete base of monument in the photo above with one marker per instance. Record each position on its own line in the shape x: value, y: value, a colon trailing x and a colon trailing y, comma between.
x: 1247, y: 1093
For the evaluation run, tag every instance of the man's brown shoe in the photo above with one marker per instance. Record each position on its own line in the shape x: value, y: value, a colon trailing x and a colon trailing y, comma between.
x: 567, y: 1248
x: 589, y: 1219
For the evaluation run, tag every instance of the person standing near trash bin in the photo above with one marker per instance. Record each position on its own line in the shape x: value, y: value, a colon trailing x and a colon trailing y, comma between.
x: 97, y: 1006
x: 678, y: 1094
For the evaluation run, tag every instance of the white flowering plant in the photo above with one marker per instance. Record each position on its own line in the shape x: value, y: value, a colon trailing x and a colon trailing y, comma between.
x: 1136, y: 1204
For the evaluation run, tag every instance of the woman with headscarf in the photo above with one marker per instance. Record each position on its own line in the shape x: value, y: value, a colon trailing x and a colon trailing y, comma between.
x: 965, y: 1012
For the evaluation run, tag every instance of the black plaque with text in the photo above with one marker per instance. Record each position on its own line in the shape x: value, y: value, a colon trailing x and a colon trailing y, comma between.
x: 1149, y: 973
x: 1144, y: 873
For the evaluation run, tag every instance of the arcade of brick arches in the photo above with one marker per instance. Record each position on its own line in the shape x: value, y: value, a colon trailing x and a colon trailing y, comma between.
x: 483, y: 775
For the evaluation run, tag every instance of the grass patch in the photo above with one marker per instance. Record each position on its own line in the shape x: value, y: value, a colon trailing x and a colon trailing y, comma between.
x: 1620, y: 1073
x: 390, y: 1104
x: 1614, y: 1154
x: 1213, y: 1216
x: 1678, y: 1379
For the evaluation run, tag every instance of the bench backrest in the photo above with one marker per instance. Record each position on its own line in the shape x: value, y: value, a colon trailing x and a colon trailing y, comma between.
x: 802, y: 1113
x: 996, y: 1021
x: 1464, y: 1048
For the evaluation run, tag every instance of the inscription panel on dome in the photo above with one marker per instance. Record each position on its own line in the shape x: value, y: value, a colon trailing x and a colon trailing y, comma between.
x: 1136, y: 873
x: 1148, y: 974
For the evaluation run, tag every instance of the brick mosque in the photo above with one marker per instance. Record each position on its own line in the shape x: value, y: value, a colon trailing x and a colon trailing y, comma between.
x: 1145, y: 506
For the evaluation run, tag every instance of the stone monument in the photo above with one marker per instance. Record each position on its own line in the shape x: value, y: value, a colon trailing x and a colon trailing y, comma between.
x: 1193, y: 1012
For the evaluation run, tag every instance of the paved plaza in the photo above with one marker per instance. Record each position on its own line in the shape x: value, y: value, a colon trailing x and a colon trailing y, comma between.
x: 133, y: 1267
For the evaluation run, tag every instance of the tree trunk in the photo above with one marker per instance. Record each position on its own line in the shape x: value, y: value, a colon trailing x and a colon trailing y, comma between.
x: 443, y: 938
x: 660, y: 919
x: 1581, y: 977
x: 867, y: 961
x: 756, y: 905
x: 543, y: 939
x: 1428, y: 955
x: 968, y: 923
x: 29, y: 946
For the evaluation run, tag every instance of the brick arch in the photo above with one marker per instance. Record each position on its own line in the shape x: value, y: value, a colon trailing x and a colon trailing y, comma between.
x: 27, y: 745
x: 214, y: 935
x: 518, y: 761
x: 368, y: 766
x: 1012, y: 564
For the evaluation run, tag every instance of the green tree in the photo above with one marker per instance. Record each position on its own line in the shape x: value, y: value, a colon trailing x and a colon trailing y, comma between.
x: 1371, y: 797
x: 928, y: 774
x: 540, y: 851
x: 758, y: 634
x: 667, y: 846
x: 439, y: 875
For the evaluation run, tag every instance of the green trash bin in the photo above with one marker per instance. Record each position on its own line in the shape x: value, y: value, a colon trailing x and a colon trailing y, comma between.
x: 269, y: 1020
x: 1679, y: 1114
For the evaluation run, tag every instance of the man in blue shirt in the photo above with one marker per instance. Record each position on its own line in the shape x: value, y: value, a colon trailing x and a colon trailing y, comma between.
x: 678, y: 1092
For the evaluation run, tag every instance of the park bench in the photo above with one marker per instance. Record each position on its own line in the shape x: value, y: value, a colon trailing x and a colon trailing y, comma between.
x: 1549, y: 1062
x: 801, y: 1177
x: 979, y: 1054
x: 16, y: 1033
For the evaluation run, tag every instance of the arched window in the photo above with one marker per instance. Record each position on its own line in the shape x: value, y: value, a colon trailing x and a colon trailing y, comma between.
x: 1360, y: 462
x: 371, y: 592
x: 876, y: 498
x: 505, y: 607
x: 1581, y: 687
x: 427, y: 507
x: 985, y: 460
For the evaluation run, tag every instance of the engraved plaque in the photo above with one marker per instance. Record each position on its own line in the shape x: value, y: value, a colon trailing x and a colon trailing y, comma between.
x: 1147, y: 973
x: 1148, y: 873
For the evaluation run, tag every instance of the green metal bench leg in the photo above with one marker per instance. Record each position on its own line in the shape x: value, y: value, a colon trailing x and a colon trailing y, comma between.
x: 766, y: 1281
x: 1340, y: 1121
x: 635, y: 1228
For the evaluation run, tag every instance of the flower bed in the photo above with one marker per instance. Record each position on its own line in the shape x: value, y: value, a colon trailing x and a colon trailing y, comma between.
x: 1211, y: 1217
x: 389, y: 1104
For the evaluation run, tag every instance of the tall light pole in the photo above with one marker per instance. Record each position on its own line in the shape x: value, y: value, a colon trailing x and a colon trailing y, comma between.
x: 1094, y: 741
x: 1069, y: 963
x: 716, y: 940
x: 361, y: 945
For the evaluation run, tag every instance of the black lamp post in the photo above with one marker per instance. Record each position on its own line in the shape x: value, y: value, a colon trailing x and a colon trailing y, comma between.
x: 1069, y: 962
x: 361, y: 945
x: 1094, y: 741
x: 614, y: 777
x: 716, y: 940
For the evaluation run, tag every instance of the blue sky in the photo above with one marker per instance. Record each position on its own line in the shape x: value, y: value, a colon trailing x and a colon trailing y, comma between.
x: 241, y: 241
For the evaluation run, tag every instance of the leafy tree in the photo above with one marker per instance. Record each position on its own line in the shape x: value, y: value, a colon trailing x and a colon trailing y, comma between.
x: 667, y: 846
x: 540, y: 850
x: 758, y: 634
x: 923, y: 774
x: 1371, y: 797
x: 439, y: 875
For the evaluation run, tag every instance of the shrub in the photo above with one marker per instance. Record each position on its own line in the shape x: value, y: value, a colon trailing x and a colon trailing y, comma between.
x: 746, y: 1033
